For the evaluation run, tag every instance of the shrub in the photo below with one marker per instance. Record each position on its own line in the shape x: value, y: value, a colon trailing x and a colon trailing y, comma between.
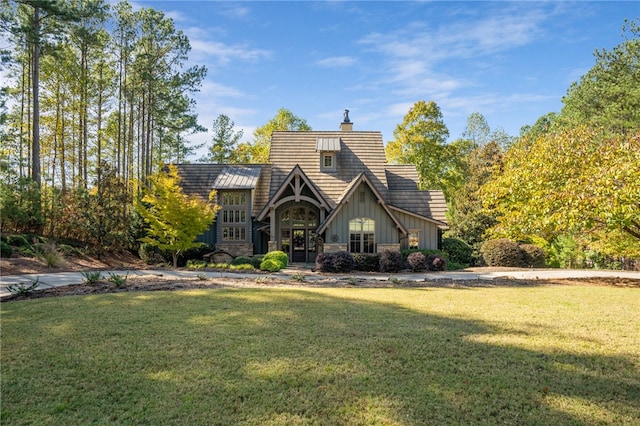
x: 194, y: 253
x: 270, y: 265
x: 458, y: 250
x: 416, y: 261
x: 391, y: 261
x: 435, y: 263
x: 146, y: 253
x: 343, y: 261
x: 20, y: 289
x: 196, y: 264
x: 118, y: 280
x: 49, y: 254
x: 366, y: 262
x: 277, y: 255
x: 243, y: 267
x: 5, y: 249
x: 502, y: 252
x: 534, y: 256
x: 241, y: 260
x: 324, y: 262
x: 256, y: 261
x: 92, y: 277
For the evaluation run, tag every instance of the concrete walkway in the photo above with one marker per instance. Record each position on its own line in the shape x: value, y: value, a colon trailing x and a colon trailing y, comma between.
x: 58, y: 279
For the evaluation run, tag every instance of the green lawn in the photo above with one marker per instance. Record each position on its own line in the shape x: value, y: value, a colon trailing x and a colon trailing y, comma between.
x: 541, y: 355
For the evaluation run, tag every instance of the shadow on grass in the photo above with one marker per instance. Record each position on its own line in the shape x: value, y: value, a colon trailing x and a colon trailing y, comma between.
x: 290, y: 357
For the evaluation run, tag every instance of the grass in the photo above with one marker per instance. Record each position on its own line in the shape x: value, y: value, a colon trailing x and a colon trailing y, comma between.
x: 542, y: 355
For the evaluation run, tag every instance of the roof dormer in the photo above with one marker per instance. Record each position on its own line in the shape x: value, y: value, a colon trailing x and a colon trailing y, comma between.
x: 328, y: 149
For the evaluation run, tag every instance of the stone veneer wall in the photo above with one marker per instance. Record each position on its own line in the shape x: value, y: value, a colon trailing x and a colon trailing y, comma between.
x: 392, y: 246
x: 332, y: 247
x: 236, y: 249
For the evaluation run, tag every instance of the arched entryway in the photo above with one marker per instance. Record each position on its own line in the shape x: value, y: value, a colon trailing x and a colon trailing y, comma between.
x: 297, y: 223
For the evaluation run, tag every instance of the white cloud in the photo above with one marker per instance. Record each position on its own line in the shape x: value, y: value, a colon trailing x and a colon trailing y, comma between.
x: 222, y: 53
x: 337, y: 62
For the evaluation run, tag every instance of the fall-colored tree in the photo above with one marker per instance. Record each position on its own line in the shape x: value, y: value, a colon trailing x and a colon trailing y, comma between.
x: 174, y: 219
x: 573, y: 181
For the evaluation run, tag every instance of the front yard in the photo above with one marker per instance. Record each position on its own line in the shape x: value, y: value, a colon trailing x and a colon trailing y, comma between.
x: 282, y: 356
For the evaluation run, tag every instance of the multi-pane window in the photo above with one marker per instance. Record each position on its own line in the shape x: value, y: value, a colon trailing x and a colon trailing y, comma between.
x: 233, y: 216
x: 328, y: 161
x: 362, y: 235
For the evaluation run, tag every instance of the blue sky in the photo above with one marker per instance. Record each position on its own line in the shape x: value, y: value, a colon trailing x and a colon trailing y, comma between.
x: 510, y: 61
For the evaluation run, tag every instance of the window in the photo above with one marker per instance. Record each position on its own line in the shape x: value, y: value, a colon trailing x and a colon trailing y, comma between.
x: 328, y: 161
x: 233, y: 216
x: 414, y: 238
x: 362, y: 235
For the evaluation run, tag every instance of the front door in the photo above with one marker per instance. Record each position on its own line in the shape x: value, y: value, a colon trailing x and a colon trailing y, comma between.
x: 299, y: 247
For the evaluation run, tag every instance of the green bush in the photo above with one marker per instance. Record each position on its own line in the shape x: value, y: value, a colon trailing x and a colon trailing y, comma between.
x: 391, y: 261
x: 502, y: 252
x: 241, y: 260
x: 270, y: 265
x: 277, y: 255
x: 256, y: 261
x: 458, y: 250
x: 194, y: 253
x: 146, y: 253
x: 196, y: 264
x: 242, y: 267
x: 534, y: 256
x: 5, y: 249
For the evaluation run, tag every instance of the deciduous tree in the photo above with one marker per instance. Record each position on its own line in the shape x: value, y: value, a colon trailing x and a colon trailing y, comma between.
x: 174, y: 219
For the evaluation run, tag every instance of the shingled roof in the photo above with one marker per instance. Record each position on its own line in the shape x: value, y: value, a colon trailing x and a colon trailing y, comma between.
x: 359, y: 152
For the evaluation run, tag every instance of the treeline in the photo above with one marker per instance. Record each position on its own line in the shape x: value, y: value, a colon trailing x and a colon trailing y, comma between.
x: 98, y: 97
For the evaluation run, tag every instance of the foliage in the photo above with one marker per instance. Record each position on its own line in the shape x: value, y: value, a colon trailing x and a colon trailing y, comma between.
x: 421, y: 140
x: 196, y: 264
x: 20, y: 289
x: 435, y: 263
x: 241, y: 260
x: 118, y: 280
x: 340, y: 261
x: 533, y: 255
x: 258, y: 151
x: 417, y: 261
x: 457, y: 250
x: 566, y: 182
x: 270, y: 265
x: 502, y: 252
x: 279, y: 256
x: 391, y: 261
x: 174, y: 219
x: 608, y: 95
x: 224, y: 140
x: 367, y: 262
x: 299, y: 276
x: 5, y: 249
x: 194, y: 253
x: 256, y: 261
x: 20, y: 205
x: 146, y: 252
x: 49, y: 254
x: 92, y: 277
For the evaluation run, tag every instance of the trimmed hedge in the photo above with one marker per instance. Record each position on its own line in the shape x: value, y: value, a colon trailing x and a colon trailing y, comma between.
x: 241, y: 260
x: 270, y: 265
x: 435, y: 263
x: 458, y: 250
x: 366, y: 262
x: 534, y: 256
x: 391, y: 261
x: 502, y: 252
x: 277, y: 255
x: 417, y: 261
x: 339, y: 261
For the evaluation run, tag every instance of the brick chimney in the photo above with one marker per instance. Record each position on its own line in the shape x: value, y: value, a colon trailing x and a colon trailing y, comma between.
x: 346, y: 125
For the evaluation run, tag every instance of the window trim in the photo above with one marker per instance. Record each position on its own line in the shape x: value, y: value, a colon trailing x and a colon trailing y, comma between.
x: 325, y: 155
x: 361, y: 240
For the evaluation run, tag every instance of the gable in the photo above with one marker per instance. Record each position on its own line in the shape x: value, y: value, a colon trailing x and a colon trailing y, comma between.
x: 358, y: 152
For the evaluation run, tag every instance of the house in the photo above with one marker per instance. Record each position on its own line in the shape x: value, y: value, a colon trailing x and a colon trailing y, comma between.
x: 322, y: 191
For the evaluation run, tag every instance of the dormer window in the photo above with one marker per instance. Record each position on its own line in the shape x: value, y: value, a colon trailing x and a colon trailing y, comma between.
x: 328, y: 161
x: 328, y: 149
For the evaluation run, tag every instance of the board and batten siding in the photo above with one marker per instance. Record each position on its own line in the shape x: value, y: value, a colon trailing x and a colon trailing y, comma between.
x: 428, y: 231
x: 386, y: 231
